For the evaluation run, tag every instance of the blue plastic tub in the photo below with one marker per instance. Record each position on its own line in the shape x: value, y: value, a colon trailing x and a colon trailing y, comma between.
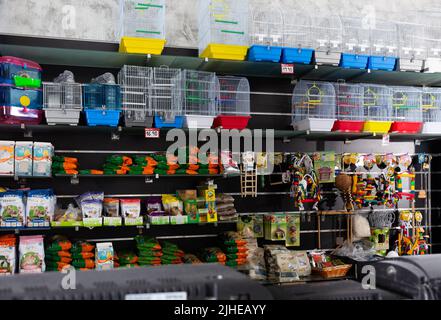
x: 160, y: 123
x: 297, y: 55
x: 108, y: 118
x: 102, y: 104
x: 354, y: 61
x: 264, y: 54
x: 382, y: 63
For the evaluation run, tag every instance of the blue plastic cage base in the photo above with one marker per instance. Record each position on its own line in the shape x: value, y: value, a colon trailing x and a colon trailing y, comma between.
x: 354, y: 61
x: 108, y: 118
x: 297, y: 55
x: 382, y: 63
x: 264, y: 54
x: 178, y: 122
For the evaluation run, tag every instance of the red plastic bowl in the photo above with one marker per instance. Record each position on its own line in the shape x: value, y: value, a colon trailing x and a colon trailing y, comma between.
x: 348, y: 126
x: 406, y: 127
x: 19, y: 115
x: 231, y: 122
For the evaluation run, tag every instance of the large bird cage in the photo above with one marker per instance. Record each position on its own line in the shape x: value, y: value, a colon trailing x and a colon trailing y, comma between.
x: 432, y: 36
x: 102, y: 101
x: 431, y: 98
x: 142, y: 26
x: 327, y: 35
x: 349, y: 107
x: 377, y: 104
x: 62, y: 100
x: 297, y: 41
x: 266, y: 34
x: 313, y: 106
x: 166, y: 97
x: 234, y: 103
x: 356, y: 44
x: 200, y: 94
x: 223, y: 29
x: 384, y: 45
x: 408, y: 112
x: 135, y: 83
x: 412, y: 46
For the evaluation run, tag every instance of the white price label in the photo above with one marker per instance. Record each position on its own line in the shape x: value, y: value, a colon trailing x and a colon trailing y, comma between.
x: 386, y: 140
x: 152, y: 133
x: 287, y: 69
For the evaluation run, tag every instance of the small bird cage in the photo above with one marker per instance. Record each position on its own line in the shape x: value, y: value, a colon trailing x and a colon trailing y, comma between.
x: 266, y: 34
x: 201, y: 94
x: 356, y: 44
x: 432, y: 36
x: 377, y: 104
x: 350, y: 111
x: 412, y: 46
x: 142, y: 26
x: 327, y: 36
x: 431, y: 98
x: 62, y: 100
x: 166, y: 97
x: 297, y: 42
x: 223, y: 29
x: 102, y: 101
x: 314, y: 106
x: 234, y: 103
x: 384, y: 46
x: 135, y: 83
x: 407, y: 107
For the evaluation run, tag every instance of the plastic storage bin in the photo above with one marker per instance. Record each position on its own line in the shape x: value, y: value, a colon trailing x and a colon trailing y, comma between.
x: 350, y: 111
x: 431, y: 98
x: 20, y: 105
x: 377, y: 103
x: 384, y: 46
x: 408, y: 112
x: 20, y: 72
x: 297, y: 38
x: 356, y: 44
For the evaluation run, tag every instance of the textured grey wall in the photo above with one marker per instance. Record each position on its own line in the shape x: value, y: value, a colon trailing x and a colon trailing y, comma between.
x: 98, y: 19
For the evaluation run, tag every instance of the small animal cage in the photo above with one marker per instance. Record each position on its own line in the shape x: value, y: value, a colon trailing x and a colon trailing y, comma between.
x: 142, y: 26
x: 350, y: 111
x: 377, y: 104
x: 102, y: 101
x: 135, y: 84
x: 200, y: 94
x: 356, y: 44
x: 234, y: 103
x: 432, y: 36
x: 62, y: 100
x: 431, y: 98
x: 412, y: 46
x: 223, y: 29
x: 266, y: 34
x: 314, y: 106
x: 407, y: 106
x: 166, y: 97
x: 327, y: 35
x: 384, y: 46
x: 297, y: 40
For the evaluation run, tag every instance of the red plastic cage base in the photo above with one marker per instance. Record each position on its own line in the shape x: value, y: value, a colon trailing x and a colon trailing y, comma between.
x: 16, y: 115
x: 348, y: 126
x: 231, y: 122
x: 406, y: 127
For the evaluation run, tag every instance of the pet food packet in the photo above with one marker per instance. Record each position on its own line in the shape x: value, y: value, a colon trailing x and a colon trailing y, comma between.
x: 31, y: 251
x: 131, y: 208
x: 92, y: 208
x: 154, y: 204
x: 111, y: 207
x: 7, y: 255
x: 39, y: 207
x: 99, y: 196
x: 12, y: 208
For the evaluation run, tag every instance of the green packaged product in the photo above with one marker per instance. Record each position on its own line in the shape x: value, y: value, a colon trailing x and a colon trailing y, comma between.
x: 145, y: 243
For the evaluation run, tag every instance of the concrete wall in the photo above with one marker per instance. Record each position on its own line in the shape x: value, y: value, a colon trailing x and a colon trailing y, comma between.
x: 98, y: 19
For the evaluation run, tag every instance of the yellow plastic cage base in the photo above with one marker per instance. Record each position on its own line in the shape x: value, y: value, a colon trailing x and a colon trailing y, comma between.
x: 141, y: 45
x: 377, y: 126
x: 225, y: 52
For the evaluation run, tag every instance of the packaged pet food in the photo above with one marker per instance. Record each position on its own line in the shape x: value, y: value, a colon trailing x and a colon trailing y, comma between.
x: 40, y: 208
x: 7, y: 157
x: 7, y: 255
x: 90, y: 196
x: 154, y: 204
x: 172, y: 205
x: 42, y: 159
x: 31, y: 249
x: 111, y: 207
x: 104, y: 256
x: 91, y: 209
x: 12, y: 209
x: 23, y: 158
x: 130, y: 208
x: 71, y: 216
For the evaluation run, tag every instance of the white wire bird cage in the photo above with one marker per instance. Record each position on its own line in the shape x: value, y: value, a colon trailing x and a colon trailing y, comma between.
x: 408, y: 112
x: 234, y: 103
x: 384, y: 45
x: 432, y: 35
x: 314, y: 106
x: 412, y: 46
x: 356, y: 43
x: 431, y: 98
x: 200, y: 94
x: 349, y: 107
x: 223, y: 29
x: 327, y: 35
x: 135, y: 84
x: 166, y: 97
x: 297, y: 41
x: 377, y: 103
x: 62, y: 100
x: 266, y: 34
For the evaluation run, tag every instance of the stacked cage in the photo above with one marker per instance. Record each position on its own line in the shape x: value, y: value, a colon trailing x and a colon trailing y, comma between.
x: 234, y: 103
x: 135, y: 83
x: 408, y: 112
x: 200, y: 94
x: 297, y: 40
x: 142, y: 26
x: 223, y: 29
x: 377, y: 103
x: 350, y: 112
x: 412, y: 46
x: 266, y: 34
x: 356, y: 44
x: 431, y: 98
x: 313, y: 106
x: 327, y: 36
x: 102, y: 101
x: 62, y: 100
x: 432, y: 36
x: 166, y: 97
x: 384, y: 46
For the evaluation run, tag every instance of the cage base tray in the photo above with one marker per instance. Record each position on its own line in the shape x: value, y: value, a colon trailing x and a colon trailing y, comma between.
x: 231, y: 122
x: 264, y: 53
x: 354, y: 61
x: 432, y: 65
x: 382, y: 63
x: 327, y: 58
x: 225, y: 52
x: 315, y: 125
x: 348, y: 126
x: 198, y: 122
x: 145, y: 123
x: 60, y: 116
x: 297, y: 55
x: 108, y: 118
x: 160, y: 123
x: 406, y: 127
x: 141, y: 45
x: 381, y: 127
x: 432, y: 127
x: 411, y: 65
x: 18, y: 115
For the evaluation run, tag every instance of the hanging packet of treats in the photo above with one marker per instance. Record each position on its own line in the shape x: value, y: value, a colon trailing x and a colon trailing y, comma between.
x: 31, y: 249
x: 40, y: 208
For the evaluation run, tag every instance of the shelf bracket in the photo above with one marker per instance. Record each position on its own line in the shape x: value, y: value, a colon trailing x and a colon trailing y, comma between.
x: 27, y: 132
x: 148, y: 180
x: 116, y: 135
x: 75, y: 180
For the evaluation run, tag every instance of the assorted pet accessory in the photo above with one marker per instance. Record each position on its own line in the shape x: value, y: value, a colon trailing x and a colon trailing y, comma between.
x: 343, y: 182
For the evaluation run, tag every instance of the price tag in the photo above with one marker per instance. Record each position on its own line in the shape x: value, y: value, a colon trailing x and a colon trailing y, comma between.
x: 386, y: 140
x: 287, y: 69
x: 152, y: 133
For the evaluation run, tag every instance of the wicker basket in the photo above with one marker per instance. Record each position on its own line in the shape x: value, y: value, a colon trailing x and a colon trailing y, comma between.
x: 333, y: 272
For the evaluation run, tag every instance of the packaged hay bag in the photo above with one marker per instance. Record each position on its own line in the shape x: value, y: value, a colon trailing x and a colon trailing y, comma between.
x: 31, y: 250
